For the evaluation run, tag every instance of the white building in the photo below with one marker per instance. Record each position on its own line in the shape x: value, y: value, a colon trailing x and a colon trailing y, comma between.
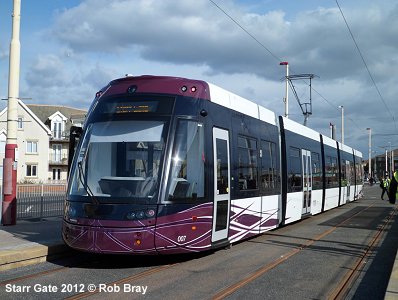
x: 43, y: 141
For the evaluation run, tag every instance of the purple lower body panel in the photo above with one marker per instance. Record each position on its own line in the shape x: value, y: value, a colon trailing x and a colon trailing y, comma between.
x: 188, y: 230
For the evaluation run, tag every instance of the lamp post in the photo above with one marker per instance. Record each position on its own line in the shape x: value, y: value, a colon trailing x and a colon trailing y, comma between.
x: 342, y: 123
x: 370, y: 151
x: 9, y: 207
x: 286, y: 100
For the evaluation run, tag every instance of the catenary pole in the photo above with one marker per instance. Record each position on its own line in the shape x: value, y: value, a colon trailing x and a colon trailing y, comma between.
x: 286, y: 100
x: 370, y: 151
x: 9, y: 207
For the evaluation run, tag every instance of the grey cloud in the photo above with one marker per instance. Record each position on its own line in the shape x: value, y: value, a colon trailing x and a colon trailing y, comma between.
x: 196, y: 32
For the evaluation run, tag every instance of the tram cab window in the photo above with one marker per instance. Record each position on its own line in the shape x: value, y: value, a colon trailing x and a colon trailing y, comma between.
x: 187, y: 175
x: 119, y: 159
x: 247, y: 163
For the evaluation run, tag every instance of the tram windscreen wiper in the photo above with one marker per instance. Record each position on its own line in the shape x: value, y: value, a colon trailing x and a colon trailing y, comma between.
x: 83, y: 180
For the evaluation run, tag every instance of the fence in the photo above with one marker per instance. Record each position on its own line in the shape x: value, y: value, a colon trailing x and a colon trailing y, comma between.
x: 40, y: 200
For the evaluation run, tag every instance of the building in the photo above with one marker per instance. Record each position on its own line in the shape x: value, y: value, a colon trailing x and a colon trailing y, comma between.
x: 43, y: 141
x: 382, y: 163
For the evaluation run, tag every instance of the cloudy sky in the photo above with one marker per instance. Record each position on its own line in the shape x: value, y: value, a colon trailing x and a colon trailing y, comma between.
x: 71, y: 48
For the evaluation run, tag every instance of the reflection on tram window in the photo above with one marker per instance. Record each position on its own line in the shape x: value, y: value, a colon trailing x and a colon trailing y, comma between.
x: 270, y: 173
x: 247, y: 163
x: 316, y: 171
x: 294, y: 174
x: 187, y: 176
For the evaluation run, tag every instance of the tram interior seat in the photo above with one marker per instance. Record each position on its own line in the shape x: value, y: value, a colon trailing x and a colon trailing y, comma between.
x: 120, y: 186
x: 179, y: 188
x: 147, y: 187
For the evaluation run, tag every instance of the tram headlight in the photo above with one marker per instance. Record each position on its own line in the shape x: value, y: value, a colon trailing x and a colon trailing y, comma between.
x: 71, y: 212
x: 130, y: 215
x: 140, y: 215
x: 149, y: 213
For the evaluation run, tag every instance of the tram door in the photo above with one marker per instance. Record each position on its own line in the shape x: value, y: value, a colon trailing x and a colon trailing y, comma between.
x: 307, y: 180
x: 222, y: 196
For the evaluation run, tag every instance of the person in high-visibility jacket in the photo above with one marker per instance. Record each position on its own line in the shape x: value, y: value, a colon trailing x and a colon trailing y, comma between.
x: 384, y: 185
x: 393, y: 191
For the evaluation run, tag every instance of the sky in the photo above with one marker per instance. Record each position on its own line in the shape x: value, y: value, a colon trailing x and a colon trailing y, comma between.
x: 72, y: 48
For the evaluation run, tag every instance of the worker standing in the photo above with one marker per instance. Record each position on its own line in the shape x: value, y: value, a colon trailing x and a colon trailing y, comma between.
x: 384, y: 185
x: 392, y: 192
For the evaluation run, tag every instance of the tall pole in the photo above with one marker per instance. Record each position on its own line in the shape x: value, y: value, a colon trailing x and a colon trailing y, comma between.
x: 391, y: 163
x: 370, y: 151
x: 386, y: 162
x: 286, y: 100
x: 9, y: 208
x: 342, y: 123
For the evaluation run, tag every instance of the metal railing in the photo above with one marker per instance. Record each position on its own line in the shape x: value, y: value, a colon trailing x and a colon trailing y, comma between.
x: 40, y: 200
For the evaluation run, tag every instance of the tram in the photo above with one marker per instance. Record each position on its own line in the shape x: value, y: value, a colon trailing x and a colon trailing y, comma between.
x: 167, y: 165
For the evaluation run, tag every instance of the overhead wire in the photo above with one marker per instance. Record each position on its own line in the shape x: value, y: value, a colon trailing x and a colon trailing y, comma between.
x: 275, y: 56
x: 366, y: 66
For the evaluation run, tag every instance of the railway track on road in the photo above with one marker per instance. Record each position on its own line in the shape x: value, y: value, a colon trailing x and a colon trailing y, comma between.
x: 176, y: 270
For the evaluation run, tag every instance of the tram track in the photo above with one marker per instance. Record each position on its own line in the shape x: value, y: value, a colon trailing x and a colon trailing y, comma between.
x: 344, y: 287
x: 123, y: 280
x: 339, y: 291
x: 222, y: 294
x: 40, y: 274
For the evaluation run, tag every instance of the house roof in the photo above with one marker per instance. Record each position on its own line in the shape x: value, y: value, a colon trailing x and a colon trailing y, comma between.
x: 32, y: 114
x: 44, y: 112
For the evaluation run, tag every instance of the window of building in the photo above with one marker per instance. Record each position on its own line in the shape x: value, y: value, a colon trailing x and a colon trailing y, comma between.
x: 57, y: 150
x: 31, y: 170
x: 3, y: 143
x: 20, y: 122
x: 247, y: 163
x: 56, y: 174
x: 31, y: 146
x: 57, y: 130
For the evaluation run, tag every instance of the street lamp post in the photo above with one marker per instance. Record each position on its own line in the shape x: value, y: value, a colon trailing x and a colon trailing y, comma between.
x: 342, y: 123
x: 370, y: 151
x: 9, y: 207
x: 286, y: 100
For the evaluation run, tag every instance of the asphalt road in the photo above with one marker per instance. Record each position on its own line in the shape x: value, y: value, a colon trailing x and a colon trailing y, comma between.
x: 310, y: 259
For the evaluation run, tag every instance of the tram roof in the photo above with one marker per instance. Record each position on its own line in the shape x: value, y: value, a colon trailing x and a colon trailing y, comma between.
x: 192, y: 88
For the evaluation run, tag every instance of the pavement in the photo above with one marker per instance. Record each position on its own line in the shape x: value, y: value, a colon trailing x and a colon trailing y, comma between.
x: 34, y: 241
x: 30, y: 241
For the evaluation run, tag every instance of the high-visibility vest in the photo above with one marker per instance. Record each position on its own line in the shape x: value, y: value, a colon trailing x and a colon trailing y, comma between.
x: 386, y: 182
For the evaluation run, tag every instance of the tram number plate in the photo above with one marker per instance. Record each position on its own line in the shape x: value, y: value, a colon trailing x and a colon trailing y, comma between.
x: 181, y: 238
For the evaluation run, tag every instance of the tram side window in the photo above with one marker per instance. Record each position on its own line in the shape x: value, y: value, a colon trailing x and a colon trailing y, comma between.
x: 316, y: 171
x: 352, y: 173
x: 331, y: 172
x: 294, y: 176
x: 187, y: 177
x: 358, y: 173
x: 270, y: 177
x: 247, y: 163
x: 344, y: 170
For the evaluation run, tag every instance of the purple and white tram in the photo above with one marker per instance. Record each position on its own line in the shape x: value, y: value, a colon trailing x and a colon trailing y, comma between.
x: 172, y: 165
